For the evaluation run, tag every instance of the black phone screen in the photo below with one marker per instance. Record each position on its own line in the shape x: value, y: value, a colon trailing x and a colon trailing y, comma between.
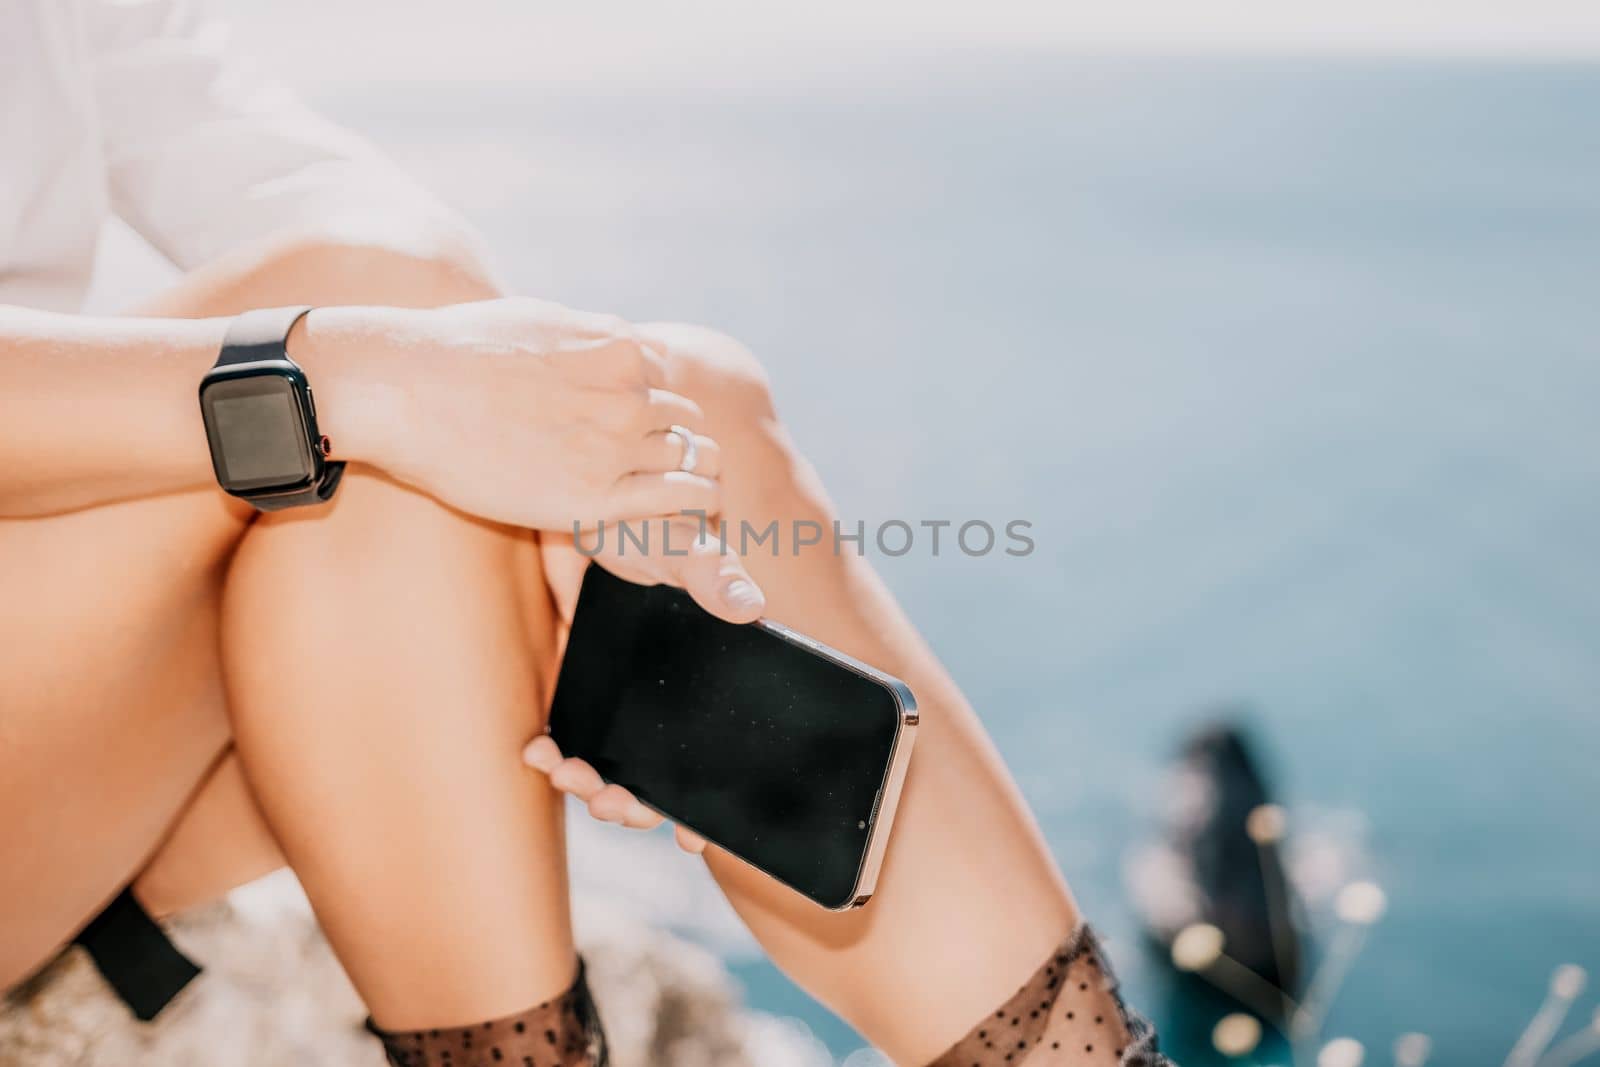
x: 767, y: 748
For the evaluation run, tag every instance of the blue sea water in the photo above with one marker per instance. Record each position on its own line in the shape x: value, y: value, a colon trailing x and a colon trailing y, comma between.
x: 1294, y: 366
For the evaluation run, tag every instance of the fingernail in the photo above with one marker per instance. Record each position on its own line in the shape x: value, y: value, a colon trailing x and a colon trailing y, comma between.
x: 743, y: 595
x: 540, y: 755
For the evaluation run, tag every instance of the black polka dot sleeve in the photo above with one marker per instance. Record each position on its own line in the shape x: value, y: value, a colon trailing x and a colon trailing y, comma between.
x: 564, y: 1032
x: 1068, y: 1013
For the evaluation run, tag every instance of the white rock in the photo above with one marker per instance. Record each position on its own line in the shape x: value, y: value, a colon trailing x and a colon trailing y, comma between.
x: 272, y: 993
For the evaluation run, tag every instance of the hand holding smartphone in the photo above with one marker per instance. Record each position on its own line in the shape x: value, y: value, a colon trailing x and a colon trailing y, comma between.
x: 784, y: 752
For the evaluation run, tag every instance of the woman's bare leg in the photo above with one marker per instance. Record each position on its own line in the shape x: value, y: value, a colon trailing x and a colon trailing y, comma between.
x: 217, y: 844
x: 111, y: 708
x: 386, y: 658
x: 970, y: 903
x: 111, y: 702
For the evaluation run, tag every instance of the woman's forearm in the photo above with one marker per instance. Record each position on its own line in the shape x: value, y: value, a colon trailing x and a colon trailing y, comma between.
x: 519, y: 411
x: 96, y: 410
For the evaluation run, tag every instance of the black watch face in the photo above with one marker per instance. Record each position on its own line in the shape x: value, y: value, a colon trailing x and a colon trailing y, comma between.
x: 260, y: 438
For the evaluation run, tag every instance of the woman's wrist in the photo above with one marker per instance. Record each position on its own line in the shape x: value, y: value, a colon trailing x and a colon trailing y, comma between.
x: 363, y: 376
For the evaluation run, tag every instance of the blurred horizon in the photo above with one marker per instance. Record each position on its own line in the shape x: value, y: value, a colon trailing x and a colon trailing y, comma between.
x: 733, y: 44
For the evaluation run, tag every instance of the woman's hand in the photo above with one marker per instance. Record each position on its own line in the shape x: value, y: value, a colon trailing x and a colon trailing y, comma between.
x: 608, y: 803
x: 520, y: 411
x: 532, y: 414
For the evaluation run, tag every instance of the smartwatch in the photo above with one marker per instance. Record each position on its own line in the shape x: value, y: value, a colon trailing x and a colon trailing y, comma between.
x: 261, y: 419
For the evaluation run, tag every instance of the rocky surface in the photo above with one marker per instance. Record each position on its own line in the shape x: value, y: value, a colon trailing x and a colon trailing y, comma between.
x: 272, y: 994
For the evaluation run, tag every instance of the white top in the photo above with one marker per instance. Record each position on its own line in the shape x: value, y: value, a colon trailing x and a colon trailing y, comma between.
x: 133, y: 109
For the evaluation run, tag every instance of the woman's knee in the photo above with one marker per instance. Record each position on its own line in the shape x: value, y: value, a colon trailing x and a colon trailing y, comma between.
x: 765, y: 475
x: 717, y: 372
x: 383, y: 571
x: 430, y: 267
x: 374, y: 524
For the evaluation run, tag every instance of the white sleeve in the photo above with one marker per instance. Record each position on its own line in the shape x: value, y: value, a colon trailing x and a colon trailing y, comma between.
x: 205, y: 154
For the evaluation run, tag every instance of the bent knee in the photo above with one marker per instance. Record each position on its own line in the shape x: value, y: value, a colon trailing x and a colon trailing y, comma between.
x: 427, y: 269
x: 382, y: 533
x: 374, y: 520
x: 384, y: 568
x: 764, y: 473
x: 717, y: 372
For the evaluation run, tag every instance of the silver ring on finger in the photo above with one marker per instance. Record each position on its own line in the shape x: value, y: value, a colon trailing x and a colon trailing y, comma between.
x: 691, y: 451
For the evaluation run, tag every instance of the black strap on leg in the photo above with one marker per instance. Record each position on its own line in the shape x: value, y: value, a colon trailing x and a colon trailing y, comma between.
x: 135, y: 956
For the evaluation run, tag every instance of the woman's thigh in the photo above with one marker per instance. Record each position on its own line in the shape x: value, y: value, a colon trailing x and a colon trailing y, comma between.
x: 111, y: 710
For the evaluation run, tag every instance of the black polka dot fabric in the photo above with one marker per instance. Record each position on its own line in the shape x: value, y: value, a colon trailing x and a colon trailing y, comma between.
x: 1067, y: 1013
x: 564, y: 1032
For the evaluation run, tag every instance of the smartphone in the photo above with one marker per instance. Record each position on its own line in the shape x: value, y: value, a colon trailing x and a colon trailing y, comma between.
x: 772, y: 746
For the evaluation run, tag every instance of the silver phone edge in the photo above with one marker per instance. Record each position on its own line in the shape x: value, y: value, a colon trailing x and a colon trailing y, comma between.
x: 899, y: 759
x: 889, y: 800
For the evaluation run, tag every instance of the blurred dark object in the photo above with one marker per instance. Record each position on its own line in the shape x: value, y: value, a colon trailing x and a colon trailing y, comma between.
x: 1217, y: 866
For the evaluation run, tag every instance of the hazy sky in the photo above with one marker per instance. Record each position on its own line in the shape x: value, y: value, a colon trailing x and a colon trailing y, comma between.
x: 358, y: 40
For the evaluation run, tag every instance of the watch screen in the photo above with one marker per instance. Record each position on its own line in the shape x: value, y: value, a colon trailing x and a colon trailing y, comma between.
x: 258, y: 435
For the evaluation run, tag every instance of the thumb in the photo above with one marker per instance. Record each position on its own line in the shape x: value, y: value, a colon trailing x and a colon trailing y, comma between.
x: 718, y: 581
x: 701, y: 566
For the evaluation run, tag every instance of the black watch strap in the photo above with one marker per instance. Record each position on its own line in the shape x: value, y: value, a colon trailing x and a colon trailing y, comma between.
x: 264, y: 334
x: 320, y: 493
